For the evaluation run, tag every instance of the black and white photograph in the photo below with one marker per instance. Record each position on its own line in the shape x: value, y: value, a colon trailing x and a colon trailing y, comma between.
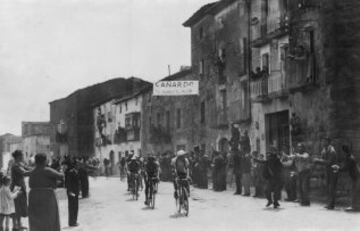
x: 179, y: 115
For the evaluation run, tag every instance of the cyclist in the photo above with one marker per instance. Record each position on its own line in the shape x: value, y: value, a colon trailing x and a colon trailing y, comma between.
x: 152, y: 171
x: 134, y: 168
x: 128, y: 157
x: 180, y: 165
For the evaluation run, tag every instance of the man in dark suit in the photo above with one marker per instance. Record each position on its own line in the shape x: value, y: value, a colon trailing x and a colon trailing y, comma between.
x: 72, y: 188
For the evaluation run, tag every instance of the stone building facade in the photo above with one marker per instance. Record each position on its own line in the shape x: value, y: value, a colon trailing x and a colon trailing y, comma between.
x: 8, y: 144
x: 170, y: 123
x: 219, y: 57
x: 303, y: 70
x: 269, y: 90
x: 36, y: 139
x: 72, y: 118
x: 118, y: 127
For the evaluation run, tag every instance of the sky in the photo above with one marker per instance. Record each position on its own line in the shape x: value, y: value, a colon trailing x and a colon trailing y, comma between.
x: 50, y: 48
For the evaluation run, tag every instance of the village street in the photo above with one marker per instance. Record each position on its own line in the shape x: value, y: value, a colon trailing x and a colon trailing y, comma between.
x: 110, y: 208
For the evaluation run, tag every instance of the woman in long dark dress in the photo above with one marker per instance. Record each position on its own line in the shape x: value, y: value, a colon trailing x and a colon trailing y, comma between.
x: 43, y: 205
x: 18, y: 173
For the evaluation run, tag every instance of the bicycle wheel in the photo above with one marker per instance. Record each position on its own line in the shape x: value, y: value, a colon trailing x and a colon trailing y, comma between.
x: 153, y: 196
x: 136, y: 189
x: 185, y: 202
x: 180, y: 201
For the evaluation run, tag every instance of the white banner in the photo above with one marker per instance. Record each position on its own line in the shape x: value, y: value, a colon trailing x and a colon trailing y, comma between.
x: 173, y: 88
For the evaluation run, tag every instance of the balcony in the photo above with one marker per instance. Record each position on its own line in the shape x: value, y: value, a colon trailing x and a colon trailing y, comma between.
x: 273, y: 27
x: 303, y: 73
x: 267, y: 88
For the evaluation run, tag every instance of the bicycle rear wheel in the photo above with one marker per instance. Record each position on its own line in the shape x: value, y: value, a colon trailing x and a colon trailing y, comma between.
x: 179, y: 201
x: 136, y: 189
x: 153, y: 200
x: 185, y: 202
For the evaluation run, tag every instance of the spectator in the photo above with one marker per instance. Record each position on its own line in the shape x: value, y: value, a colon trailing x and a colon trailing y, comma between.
x: 18, y: 172
x: 237, y: 164
x: 273, y: 176
x: 7, y: 208
x: 329, y: 158
x: 303, y: 166
x: 72, y: 181
x: 106, y: 167
x: 257, y: 174
x: 84, y: 177
x: 203, y: 171
x: 246, y: 170
x: 290, y: 176
x: 43, y: 205
x: 350, y: 166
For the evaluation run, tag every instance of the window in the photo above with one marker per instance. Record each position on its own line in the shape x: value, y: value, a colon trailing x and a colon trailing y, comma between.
x: 244, y: 50
x: 120, y: 107
x: 283, y: 7
x: 126, y: 106
x: 202, y: 67
x: 168, y: 120
x: 178, y: 118
x: 202, y: 112
x: 311, y: 41
x: 264, y: 16
x: 313, y: 75
x: 127, y: 122
x: 136, y: 100
x: 265, y: 62
x: 201, y: 33
x: 265, y: 8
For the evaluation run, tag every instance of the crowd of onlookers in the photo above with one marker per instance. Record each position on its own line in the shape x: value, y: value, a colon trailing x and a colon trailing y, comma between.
x: 268, y: 175
x: 39, y: 203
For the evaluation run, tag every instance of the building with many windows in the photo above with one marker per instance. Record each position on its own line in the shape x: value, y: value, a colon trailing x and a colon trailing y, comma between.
x: 118, y: 127
x: 170, y: 123
x: 269, y: 80
x: 72, y: 117
x: 219, y: 57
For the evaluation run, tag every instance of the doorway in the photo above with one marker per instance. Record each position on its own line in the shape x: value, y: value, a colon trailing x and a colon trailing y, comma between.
x: 278, y: 131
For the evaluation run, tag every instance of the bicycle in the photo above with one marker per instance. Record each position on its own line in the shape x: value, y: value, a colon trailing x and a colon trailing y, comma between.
x: 153, y: 191
x: 182, y: 200
x: 135, y: 186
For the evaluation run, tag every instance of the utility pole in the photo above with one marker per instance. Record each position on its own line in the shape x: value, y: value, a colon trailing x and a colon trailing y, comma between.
x: 169, y: 70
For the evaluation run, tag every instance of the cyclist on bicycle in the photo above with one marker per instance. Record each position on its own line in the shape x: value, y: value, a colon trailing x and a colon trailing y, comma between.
x: 152, y: 171
x: 180, y: 165
x: 134, y: 168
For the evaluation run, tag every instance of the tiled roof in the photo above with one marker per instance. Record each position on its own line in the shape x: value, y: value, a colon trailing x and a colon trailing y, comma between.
x: 199, y: 14
x: 208, y: 9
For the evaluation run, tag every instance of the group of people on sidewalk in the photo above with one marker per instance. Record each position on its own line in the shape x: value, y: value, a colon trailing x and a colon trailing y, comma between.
x: 40, y: 204
x: 276, y: 170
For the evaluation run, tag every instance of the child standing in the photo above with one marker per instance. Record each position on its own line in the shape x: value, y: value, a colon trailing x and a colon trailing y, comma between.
x: 7, y: 206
